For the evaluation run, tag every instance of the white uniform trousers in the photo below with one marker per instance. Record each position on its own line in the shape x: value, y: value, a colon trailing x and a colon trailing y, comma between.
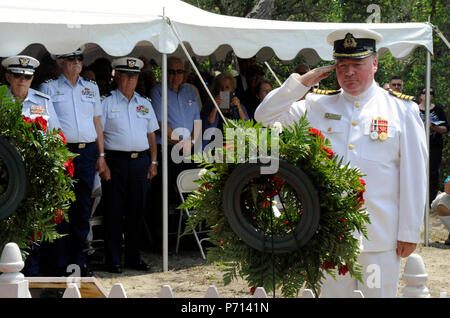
x: 381, y: 271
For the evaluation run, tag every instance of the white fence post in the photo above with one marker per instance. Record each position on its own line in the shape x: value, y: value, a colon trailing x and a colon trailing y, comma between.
x: 212, y: 292
x: 166, y: 292
x: 117, y: 291
x: 12, y: 282
x: 260, y: 292
x: 72, y: 291
x: 307, y: 293
x: 415, y: 277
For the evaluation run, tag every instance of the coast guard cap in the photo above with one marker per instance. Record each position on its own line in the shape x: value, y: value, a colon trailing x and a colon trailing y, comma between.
x: 78, y: 52
x: 127, y: 64
x: 21, y: 64
x: 353, y: 43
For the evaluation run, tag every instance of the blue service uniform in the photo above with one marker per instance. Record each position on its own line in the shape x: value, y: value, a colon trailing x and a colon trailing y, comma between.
x: 39, y: 104
x: 126, y: 125
x: 34, y: 105
x: 76, y: 108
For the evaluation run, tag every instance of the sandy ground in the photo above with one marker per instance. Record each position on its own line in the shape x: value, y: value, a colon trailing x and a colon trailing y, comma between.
x: 190, y: 276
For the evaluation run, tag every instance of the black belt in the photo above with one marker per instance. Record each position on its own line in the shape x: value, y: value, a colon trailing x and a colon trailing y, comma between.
x: 80, y: 145
x: 126, y: 154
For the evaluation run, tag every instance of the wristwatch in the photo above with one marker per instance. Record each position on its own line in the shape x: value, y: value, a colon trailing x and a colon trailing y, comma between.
x: 155, y: 163
x: 102, y: 154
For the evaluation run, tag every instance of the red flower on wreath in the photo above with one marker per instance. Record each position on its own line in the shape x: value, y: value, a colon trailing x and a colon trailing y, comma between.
x: 62, y: 137
x: 316, y: 133
x: 328, y: 265
x: 68, y: 165
x: 41, y: 123
x: 329, y: 152
x: 34, y: 239
x: 343, y: 269
x: 59, y: 216
x: 252, y: 290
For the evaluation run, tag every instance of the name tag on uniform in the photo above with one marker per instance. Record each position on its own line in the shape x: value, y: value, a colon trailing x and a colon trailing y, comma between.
x: 37, y: 110
x: 333, y: 116
x: 115, y: 110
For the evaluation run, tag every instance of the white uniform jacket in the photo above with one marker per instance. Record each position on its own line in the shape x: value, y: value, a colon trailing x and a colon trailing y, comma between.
x: 395, y: 168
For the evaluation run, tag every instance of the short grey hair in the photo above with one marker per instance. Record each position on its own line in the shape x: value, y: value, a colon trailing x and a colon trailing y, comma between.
x: 222, y: 76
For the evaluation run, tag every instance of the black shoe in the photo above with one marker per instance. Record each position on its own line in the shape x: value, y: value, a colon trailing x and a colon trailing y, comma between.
x: 86, y: 271
x: 114, y: 268
x: 139, y: 266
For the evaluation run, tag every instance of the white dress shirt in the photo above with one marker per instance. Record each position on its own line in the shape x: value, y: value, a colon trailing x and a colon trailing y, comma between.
x: 395, y: 168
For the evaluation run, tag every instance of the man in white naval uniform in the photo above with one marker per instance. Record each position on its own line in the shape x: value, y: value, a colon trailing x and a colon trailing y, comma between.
x: 378, y: 132
x: 19, y: 74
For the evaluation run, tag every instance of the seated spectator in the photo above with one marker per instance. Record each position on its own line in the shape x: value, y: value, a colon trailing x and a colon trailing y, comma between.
x: 103, y: 75
x: 224, y: 82
x: 441, y: 205
x: 254, y: 75
x: 438, y: 128
x: 301, y: 69
x: 396, y: 84
x: 242, y: 78
x: 88, y: 74
x: 263, y: 88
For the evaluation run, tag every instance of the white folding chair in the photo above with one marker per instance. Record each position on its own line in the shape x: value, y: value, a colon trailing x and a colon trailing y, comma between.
x: 185, y: 185
x: 94, y: 220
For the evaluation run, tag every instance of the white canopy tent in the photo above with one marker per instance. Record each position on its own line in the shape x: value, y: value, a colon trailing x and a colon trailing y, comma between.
x: 137, y: 27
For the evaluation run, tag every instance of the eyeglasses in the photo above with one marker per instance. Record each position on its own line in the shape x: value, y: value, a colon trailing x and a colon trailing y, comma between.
x: 72, y: 58
x: 173, y: 72
x: 18, y: 75
x: 395, y: 84
x: 431, y: 93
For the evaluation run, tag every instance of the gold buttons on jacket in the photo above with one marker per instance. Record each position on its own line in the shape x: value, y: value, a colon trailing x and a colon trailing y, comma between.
x: 351, y: 146
x: 357, y: 105
x: 354, y: 123
x: 330, y: 129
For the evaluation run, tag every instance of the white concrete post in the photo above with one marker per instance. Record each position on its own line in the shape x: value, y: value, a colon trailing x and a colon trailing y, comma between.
x: 415, y: 277
x: 212, y: 292
x: 72, y: 291
x: 117, y: 291
x: 166, y: 292
x: 307, y: 293
x: 260, y: 292
x: 12, y: 282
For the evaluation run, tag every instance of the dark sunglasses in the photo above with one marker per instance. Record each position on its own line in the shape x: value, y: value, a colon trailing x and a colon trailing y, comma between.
x: 72, y: 58
x: 173, y: 72
x: 395, y: 84
x: 18, y: 75
x: 431, y: 93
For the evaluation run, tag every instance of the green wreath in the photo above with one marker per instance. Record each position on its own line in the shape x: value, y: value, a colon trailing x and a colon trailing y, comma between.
x: 49, y: 168
x: 330, y: 246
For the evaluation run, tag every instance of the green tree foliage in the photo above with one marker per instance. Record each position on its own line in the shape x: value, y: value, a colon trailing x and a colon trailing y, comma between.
x: 412, y: 69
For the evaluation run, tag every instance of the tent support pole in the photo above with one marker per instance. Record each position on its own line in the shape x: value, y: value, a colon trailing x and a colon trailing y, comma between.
x: 165, y: 161
x: 427, y: 127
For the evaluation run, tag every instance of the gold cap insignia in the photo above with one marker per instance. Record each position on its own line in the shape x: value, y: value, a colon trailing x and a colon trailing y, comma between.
x: 24, y: 61
x: 349, y: 41
x: 131, y: 63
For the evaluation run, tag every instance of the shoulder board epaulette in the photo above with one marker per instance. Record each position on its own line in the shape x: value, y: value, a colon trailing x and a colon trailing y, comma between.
x: 400, y: 95
x: 326, y: 91
x: 42, y: 94
x: 104, y: 96
x: 89, y: 80
x: 50, y: 80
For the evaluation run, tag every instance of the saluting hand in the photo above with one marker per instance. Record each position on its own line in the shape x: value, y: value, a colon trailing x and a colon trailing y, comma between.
x: 315, y: 76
